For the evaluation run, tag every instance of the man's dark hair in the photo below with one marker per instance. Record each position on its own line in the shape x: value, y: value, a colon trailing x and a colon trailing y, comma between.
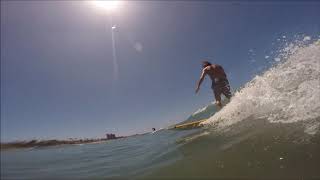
x: 205, y: 64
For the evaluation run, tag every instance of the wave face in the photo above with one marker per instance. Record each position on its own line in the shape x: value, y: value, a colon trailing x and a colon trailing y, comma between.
x: 286, y: 93
x: 202, y: 113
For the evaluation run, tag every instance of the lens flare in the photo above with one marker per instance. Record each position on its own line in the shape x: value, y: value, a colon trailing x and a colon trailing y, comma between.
x: 108, y: 5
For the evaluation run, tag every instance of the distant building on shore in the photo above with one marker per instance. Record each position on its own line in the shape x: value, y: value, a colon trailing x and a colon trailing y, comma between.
x: 111, y: 136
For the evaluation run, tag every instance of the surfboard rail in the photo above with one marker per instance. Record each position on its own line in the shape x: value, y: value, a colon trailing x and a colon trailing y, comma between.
x: 190, y: 125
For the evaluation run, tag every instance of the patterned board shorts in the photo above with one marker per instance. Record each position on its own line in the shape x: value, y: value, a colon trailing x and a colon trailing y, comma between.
x: 221, y: 86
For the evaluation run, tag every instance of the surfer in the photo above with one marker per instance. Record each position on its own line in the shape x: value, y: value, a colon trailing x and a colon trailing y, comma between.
x: 220, y: 83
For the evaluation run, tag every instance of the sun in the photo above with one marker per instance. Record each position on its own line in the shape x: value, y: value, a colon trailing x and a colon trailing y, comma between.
x: 107, y: 4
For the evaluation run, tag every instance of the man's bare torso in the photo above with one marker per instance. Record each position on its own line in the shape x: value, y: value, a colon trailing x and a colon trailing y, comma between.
x: 215, y: 71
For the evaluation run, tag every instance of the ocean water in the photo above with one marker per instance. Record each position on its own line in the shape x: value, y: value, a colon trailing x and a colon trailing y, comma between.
x: 269, y: 129
x: 128, y: 157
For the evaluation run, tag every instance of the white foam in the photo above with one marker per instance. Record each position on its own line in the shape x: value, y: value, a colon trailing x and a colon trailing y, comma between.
x: 307, y: 38
x: 200, y: 110
x: 312, y: 128
x: 286, y: 93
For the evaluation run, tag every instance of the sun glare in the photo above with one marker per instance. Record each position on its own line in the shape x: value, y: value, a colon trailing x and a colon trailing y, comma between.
x: 107, y: 4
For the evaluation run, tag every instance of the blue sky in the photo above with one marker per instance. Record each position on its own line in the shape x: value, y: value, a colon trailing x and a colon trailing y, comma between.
x: 57, y: 75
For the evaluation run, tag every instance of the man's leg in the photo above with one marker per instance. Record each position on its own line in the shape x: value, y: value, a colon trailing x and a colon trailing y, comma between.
x: 217, y: 95
x: 226, y: 89
x: 226, y: 92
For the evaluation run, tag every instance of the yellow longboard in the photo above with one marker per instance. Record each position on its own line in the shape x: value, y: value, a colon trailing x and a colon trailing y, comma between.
x: 190, y: 125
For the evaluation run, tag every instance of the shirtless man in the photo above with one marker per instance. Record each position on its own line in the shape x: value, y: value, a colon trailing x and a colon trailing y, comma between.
x: 220, y: 83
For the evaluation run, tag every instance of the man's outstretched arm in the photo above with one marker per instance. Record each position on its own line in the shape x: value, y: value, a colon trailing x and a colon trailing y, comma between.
x: 203, y: 74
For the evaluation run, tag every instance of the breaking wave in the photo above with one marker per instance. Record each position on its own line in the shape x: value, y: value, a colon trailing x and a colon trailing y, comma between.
x: 286, y: 93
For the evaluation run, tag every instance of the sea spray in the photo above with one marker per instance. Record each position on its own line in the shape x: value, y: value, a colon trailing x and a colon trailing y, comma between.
x: 288, y: 92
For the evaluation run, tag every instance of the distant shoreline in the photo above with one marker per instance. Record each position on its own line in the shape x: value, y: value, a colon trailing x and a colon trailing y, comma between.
x: 47, y: 143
